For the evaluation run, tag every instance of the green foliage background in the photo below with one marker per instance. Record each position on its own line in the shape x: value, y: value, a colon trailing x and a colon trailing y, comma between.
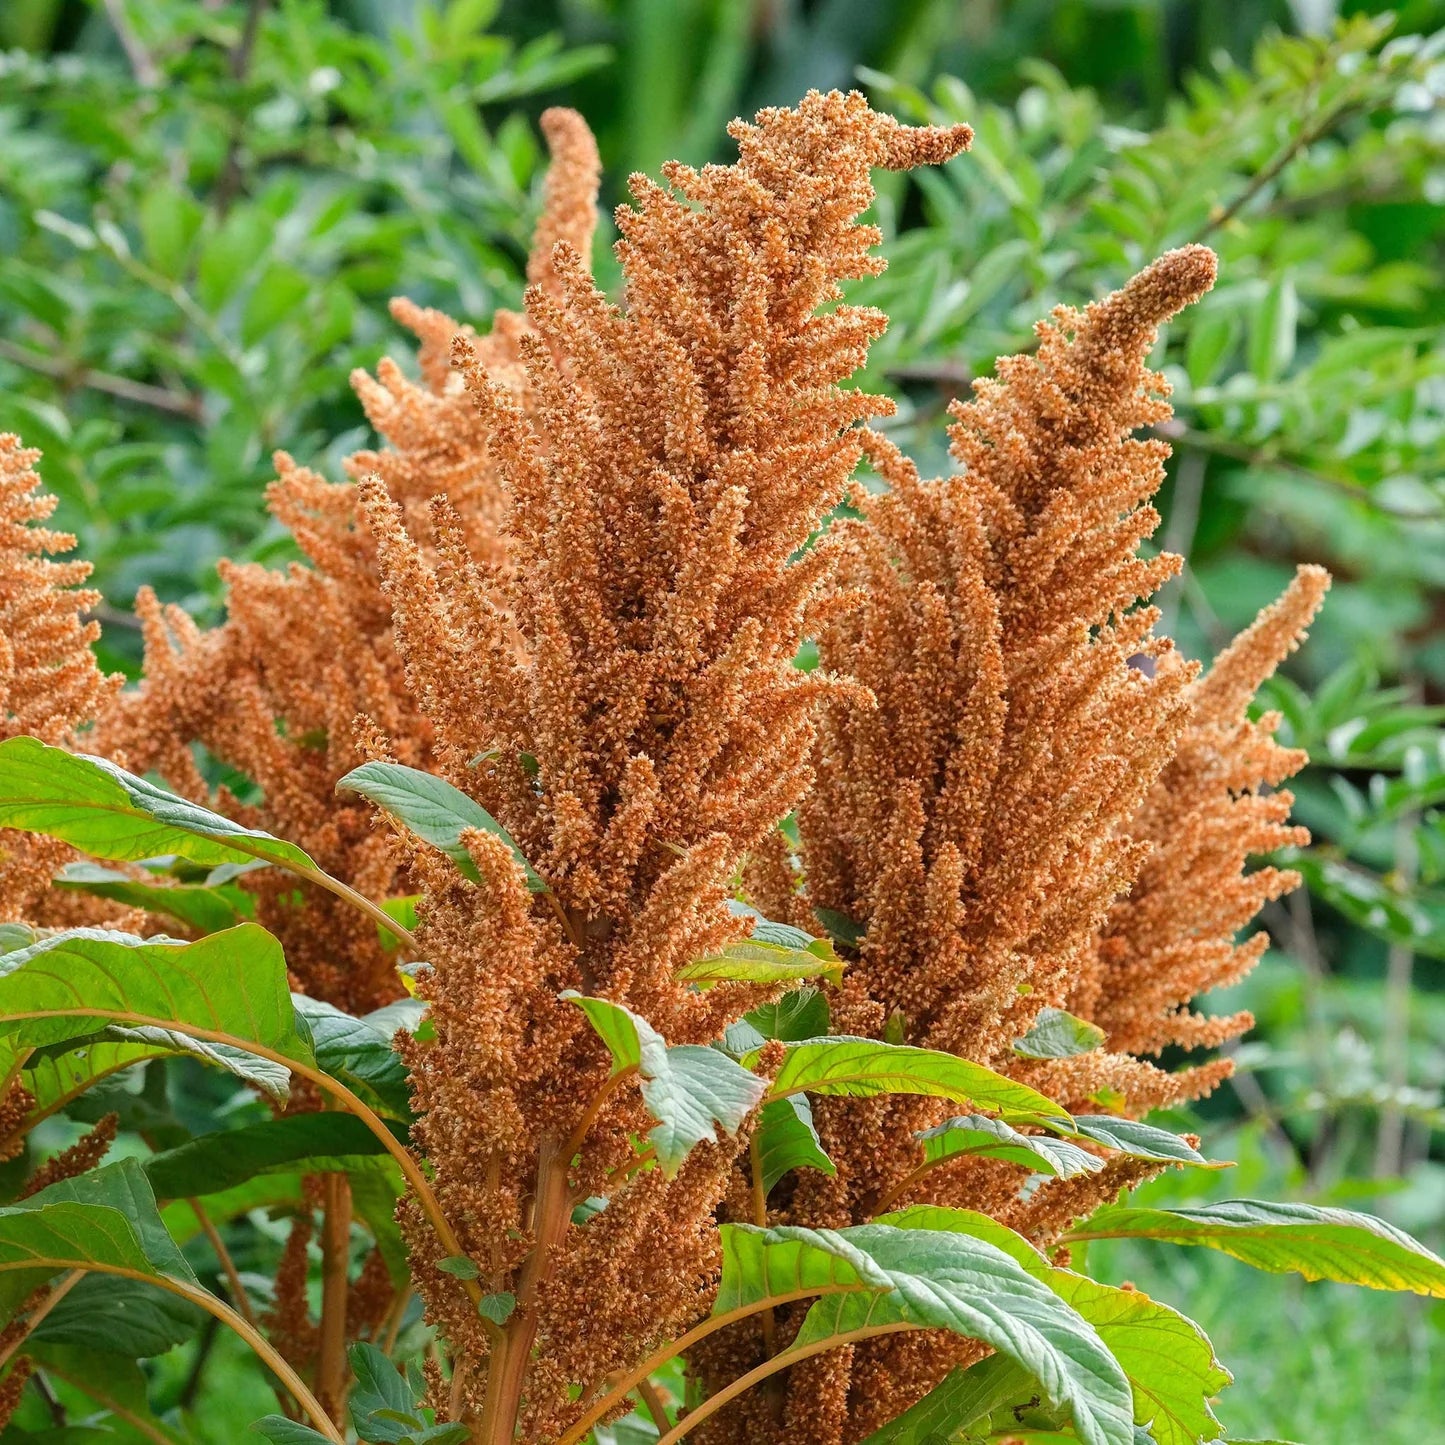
x: 204, y: 208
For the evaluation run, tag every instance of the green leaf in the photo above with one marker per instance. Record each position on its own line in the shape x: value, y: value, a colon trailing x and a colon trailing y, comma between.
x: 109, y: 813
x: 104, y: 1220
x: 876, y: 1275
x: 864, y: 1068
x: 1168, y: 1359
x: 841, y: 928
x: 128, y: 1316
x: 381, y: 1390
x: 281, y: 1431
x: 435, y: 811
x: 1272, y: 330
x: 497, y: 1307
x: 1141, y: 1141
x: 993, y: 1139
x: 960, y: 1399
x: 108, y: 1378
x: 227, y: 990
x: 787, y: 1140
x: 691, y: 1091
x: 459, y: 1267
x: 767, y: 959
x: 1058, y: 1035
x: 206, y: 910
x: 1211, y: 338
x: 297, y: 1143
x: 357, y: 1052
x: 1319, y: 1243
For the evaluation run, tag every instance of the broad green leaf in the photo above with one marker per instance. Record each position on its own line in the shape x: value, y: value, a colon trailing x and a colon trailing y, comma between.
x: 801, y: 1014
x: 1058, y: 1035
x: 129, y: 1316
x: 281, y: 1431
x: 841, y: 928
x: 1272, y: 330
x: 787, y: 1140
x: 104, y: 1220
x: 762, y: 960
x: 109, y: 813
x: 297, y: 1143
x: 1318, y: 1243
x: 1141, y: 1141
x: 691, y: 1091
x: 877, y: 1275
x: 1168, y: 1359
x: 228, y: 989
x: 110, y: 1379
x: 864, y: 1068
x: 436, y: 811
x: 357, y: 1052
x: 497, y: 1307
x: 206, y: 910
x: 993, y: 1139
x: 58, y: 1074
x: 962, y: 1398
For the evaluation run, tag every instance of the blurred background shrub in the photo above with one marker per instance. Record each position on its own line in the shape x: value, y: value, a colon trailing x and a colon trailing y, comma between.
x: 204, y: 208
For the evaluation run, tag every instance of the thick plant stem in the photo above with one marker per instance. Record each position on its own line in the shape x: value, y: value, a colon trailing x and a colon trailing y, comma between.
x: 335, y: 1257
x: 508, y: 1371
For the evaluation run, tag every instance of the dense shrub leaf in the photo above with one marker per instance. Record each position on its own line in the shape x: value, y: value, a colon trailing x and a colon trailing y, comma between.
x: 864, y: 1068
x: 110, y: 813
x: 761, y: 960
x: 1318, y: 1243
x: 691, y: 1091
x: 875, y: 1275
x: 436, y: 811
x: 357, y: 1052
x: 129, y: 1316
x: 1059, y: 1035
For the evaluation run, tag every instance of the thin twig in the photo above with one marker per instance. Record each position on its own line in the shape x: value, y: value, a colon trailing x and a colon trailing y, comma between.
x: 1399, y: 994
x: 223, y: 1255
x: 228, y: 184
x: 158, y: 398
x: 142, y: 63
x: 1181, y: 435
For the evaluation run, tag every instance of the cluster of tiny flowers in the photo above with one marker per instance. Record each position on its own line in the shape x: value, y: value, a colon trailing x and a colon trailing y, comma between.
x: 573, y: 581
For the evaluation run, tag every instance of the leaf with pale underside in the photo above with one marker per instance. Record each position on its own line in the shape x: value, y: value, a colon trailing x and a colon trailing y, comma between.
x: 1319, y: 1243
x: 975, y: 1134
x: 691, y: 1091
x: 1141, y: 1141
x: 1168, y: 1359
x: 875, y: 1276
x: 865, y: 1068
x: 436, y: 811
